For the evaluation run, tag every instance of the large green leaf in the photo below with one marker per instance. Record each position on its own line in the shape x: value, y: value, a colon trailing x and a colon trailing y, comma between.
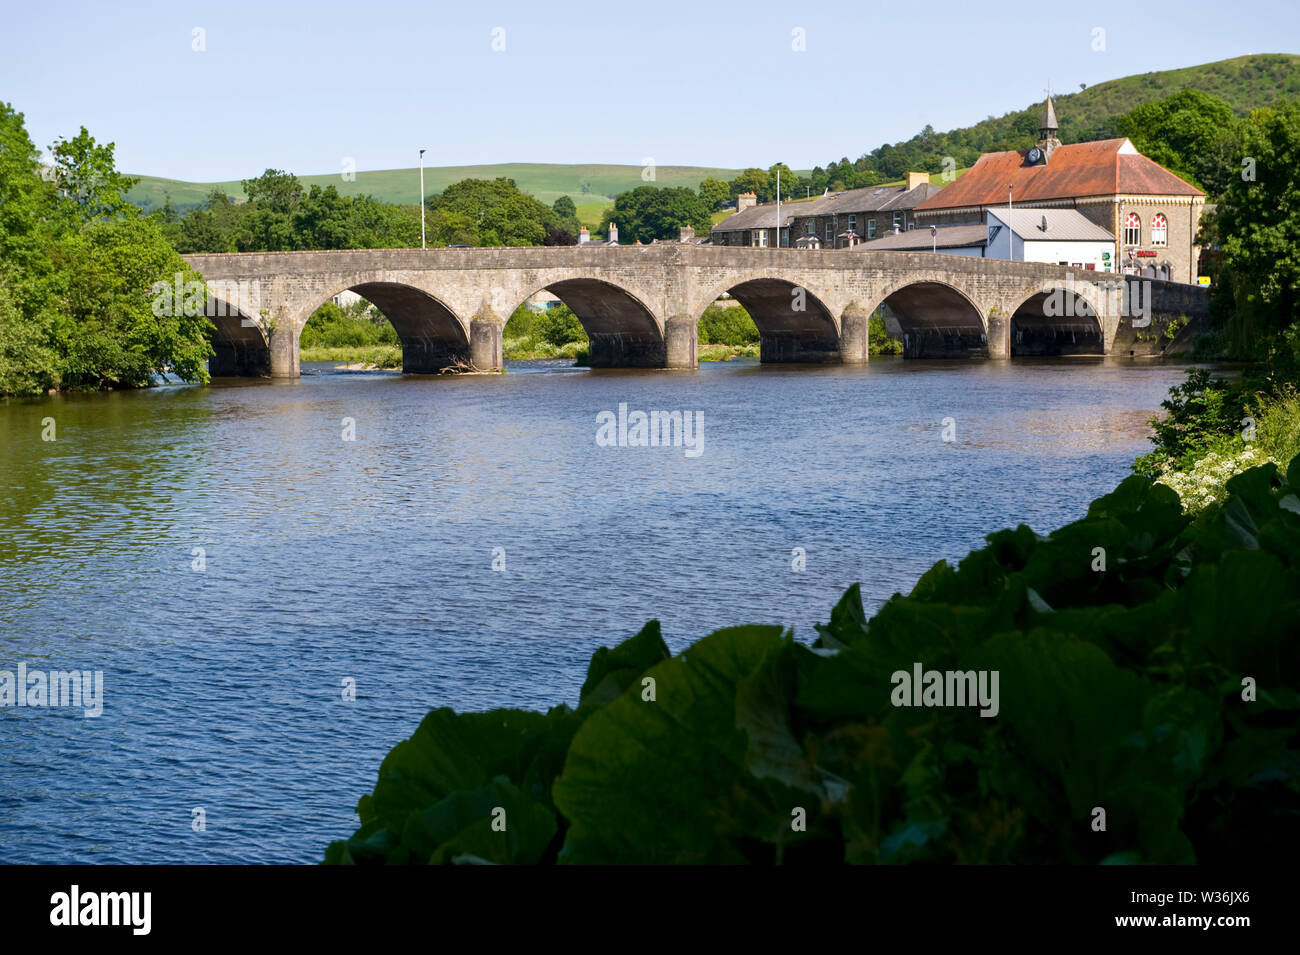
x: 665, y: 780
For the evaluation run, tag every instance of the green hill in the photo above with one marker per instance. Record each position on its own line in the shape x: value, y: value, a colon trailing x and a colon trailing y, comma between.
x: 590, y: 186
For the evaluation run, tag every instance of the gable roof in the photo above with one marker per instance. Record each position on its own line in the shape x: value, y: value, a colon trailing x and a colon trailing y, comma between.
x: 919, y: 240
x: 1107, y: 167
x: 1063, y: 225
x: 868, y: 199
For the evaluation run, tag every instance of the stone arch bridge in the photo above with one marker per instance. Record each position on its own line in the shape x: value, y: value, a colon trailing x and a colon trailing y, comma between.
x: 640, y: 305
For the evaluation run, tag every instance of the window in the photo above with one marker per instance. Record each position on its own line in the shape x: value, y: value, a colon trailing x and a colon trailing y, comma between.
x: 830, y: 235
x: 785, y: 238
x: 1132, y: 229
x: 898, y: 220
x: 1159, y: 229
x: 760, y: 238
x: 871, y: 228
x: 853, y: 223
x: 811, y: 227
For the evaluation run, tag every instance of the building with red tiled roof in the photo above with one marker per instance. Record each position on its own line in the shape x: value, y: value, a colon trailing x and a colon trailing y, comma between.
x: 1152, y: 214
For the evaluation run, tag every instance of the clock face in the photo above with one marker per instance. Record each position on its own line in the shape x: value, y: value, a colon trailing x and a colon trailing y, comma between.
x: 1035, y: 154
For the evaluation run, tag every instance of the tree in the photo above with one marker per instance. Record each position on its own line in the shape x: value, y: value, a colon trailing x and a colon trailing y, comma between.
x: 490, y: 212
x: 715, y: 193
x: 1258, y: 221
x: 790, y: 185
x: 564, y: 208
x: 1186, y: 133
x: 112, y: 330
x: 88, y: 180
x: 752, y: 180
x: 647, y: 213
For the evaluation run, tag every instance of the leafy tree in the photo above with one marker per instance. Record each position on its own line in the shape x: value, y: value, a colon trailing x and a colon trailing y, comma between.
x: 564, y: 208
x: 490, y: 212
x: 647, y: 213
x: 1185, y: 133
x: 715, y: 193
x: 755, y: 181
x: 88, y: 180
x: 1258, y: 221
x: 111, y: 330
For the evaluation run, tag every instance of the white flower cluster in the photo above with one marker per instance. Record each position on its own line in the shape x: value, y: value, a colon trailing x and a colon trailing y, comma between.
x: 1204, y: 484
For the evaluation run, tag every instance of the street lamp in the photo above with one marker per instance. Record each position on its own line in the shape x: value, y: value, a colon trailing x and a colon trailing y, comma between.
x: 422, y: 198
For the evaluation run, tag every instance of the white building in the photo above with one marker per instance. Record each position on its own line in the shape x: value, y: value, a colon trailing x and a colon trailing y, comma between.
x: 1055, y: 236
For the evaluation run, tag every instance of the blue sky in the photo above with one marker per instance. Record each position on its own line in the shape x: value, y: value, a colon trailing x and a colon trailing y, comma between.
x: 304, y: 86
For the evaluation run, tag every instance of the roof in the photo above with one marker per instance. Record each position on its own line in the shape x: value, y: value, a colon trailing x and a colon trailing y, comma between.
x: 949, y: 237
x: 1107, y: 167
x: 869, y: 199
x: 1063, y: 225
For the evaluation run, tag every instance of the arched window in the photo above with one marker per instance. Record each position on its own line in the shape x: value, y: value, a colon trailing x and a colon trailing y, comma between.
x: 1132, y: 229
x: 1159, y: 229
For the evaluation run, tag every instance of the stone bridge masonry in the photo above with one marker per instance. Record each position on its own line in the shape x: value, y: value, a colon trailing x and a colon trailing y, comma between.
x: 640, y: 305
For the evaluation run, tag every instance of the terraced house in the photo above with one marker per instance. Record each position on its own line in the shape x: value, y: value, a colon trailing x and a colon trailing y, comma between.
x: 833, y: 221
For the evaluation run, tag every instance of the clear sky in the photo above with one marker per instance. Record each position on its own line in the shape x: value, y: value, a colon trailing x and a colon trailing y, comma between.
x: 304, y: 86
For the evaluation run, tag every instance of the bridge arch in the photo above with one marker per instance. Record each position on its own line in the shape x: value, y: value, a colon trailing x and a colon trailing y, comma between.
x: 937, y: 319
x: 432, y: 335
x: 1057, y: 318
x: 622, y: 329
x: 239, y: 341
x: 795, y: 324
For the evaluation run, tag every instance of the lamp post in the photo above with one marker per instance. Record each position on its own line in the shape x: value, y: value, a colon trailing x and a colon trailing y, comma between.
x: 422, y: 198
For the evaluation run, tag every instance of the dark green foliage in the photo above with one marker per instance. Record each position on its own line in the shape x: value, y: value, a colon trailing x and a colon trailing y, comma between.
x: 1204, y: 415
x: 721, y: 325
x: 648, y: 213
x: 879, y: 341
x: 359, y: 324
x: 1120, y: 688
x: 78, y: 271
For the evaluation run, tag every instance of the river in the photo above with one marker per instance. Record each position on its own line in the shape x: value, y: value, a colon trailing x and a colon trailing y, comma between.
x: 230, y: 562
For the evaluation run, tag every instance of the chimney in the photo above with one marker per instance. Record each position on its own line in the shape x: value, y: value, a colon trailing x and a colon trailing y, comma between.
x: 613, y: 232
x: 583, y: 236
x: 746, y: 200
x: 915, y: 179
x: 685, y: 233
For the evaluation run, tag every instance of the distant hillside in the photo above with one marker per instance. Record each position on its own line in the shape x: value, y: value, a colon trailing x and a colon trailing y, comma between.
x: 592, y: 186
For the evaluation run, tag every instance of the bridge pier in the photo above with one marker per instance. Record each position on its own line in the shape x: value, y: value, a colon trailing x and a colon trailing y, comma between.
x: 283, y: 342
x: 999, y: 334
x: 853, y: 334
x: 485, y: 349
x: 681, y: 338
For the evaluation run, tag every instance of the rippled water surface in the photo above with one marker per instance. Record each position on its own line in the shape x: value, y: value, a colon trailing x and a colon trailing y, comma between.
x: 372, y: 559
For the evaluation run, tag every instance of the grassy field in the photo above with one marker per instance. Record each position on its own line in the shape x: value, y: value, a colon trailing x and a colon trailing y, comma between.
x: 592, y: 188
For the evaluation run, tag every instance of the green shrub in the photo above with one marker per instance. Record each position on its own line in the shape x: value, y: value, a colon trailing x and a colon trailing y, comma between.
x: 1147, y: 666
x: 559, y: 326
x: 879, y: 341
x: 723, y: 325
x: 1277, y: 425
x: 1204, y: 416
x: 359, y: 324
